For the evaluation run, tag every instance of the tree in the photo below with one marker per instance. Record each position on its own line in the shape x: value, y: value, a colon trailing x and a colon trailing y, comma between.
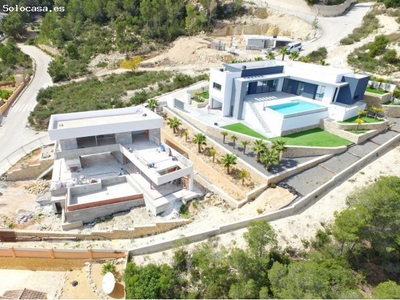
x: 259, y: 235
x: 359, y: 122
x: 132, y: 63
x: 324, y: 279
x: 258, y: 147
x: 387, y: 290
x: 13, y: 25
x: 209, y: 6
x: 243, y: 174
x: 391, y: 56
x: 212, y: 153
x: 228, y: 160
x: 234, y: 139
x: 280, y: 146
x: 294, y: 55
x: 199, y: 139
x: 57, y: 69
x: 152, y: 104
x: 174, y: 123
x: 224, y: 135
x: 269, y: 157
x: 283, y: 51
x: 186, y: 134
x: 244, y: 144
x: 378, y: 46
x: 270, y: 55
x: 150, y: 282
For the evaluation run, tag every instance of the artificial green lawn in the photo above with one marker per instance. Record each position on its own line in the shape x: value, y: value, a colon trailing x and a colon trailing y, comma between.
x: 314, y: 137
x: 359, y: 131
x: 366, y: 119
x: 375, y: 91
x: 241, y: 128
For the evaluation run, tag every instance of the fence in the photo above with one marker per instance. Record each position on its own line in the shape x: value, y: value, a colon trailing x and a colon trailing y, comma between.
x: 60, y: 253
x: 15, y: 156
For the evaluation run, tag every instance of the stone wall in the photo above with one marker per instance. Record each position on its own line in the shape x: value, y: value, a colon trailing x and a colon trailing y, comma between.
x: 303, y: 151
x: 376, y: 99
x: 14, y: 96
x: 392, y: 111
x: 31, y: 171
x: 339, y: 129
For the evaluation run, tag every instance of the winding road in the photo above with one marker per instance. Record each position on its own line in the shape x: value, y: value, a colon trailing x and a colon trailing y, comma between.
x: 13, y: 132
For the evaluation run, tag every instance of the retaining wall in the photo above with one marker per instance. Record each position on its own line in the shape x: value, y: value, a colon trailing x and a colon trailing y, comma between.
x: 376, y: 99
x: 14, y: 96
x: 332, y: 10
x: 392, y: 111
x: 31, y: 171
x: 7, y: 235
x: 60, y: 253
x: 282, y: 213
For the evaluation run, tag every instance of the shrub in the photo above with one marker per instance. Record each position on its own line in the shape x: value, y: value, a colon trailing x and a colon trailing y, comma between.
x: 108, y: 267
x: 347, y: 41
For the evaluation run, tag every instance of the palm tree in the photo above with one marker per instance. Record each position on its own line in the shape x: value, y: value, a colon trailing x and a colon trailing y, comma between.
x: 186, y: 134
x: 360, y: 112
x: 174, y: 123
x: 279, y: 146
x: 269, y: 157
x: 377, y: 110
x: 258, y: 147
x: 243, y: 174
x: 228, y: 160
x: 359, y: 122
x: 234, y: 139
x: 283, y: 51
x: 244, y: 144
x: 224, y: 134
x: 199, y: 139
x: 212, y: 153
x: 294, y: 55
x: 152, y: 104
x: 270, y: 55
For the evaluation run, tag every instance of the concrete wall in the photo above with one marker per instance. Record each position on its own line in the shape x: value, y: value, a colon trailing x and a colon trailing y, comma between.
x: 74, y: 152
x: 14, y: 96
x: 123, y: 138
x: 17, y: 252
x: 7, y: 235
x: 302, y: 151
x: 89, y: 214
x: 31, y: 171
x: 282, y: 213
x: 332, y: 10
x: 68, y: 144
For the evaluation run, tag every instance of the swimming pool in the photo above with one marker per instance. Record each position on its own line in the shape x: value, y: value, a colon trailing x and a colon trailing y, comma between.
x: 295, y: 106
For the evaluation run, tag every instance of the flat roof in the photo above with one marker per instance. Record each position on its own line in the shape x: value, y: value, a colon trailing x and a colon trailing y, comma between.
x: 102, y: 120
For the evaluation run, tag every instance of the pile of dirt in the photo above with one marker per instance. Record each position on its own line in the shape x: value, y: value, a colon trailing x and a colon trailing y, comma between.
x: 37, y: 187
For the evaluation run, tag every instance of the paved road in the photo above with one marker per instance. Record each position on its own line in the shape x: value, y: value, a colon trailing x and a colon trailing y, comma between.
x: 336, y: 28
x: 13, y: 132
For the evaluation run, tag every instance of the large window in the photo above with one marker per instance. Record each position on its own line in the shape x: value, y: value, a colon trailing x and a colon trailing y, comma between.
x: 287, y: 86
x: 217, y: 86
x: 267, y: 86
x: 319, y: 95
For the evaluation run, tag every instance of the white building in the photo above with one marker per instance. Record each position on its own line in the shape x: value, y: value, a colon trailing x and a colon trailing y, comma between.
x: 279, y: 97
x: 132, y: 168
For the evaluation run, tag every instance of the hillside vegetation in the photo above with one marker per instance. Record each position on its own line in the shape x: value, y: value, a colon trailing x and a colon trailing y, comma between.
x: 134, y: 27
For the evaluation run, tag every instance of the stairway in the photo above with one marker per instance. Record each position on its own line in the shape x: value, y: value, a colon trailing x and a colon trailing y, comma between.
x: 259, y: 117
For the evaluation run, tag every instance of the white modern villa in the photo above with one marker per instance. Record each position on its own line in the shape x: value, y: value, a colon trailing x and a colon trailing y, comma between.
x: 279, y: 97
x: 112, y: 160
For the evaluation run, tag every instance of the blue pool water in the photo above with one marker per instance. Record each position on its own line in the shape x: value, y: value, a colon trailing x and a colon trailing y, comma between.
x: 296, y: 106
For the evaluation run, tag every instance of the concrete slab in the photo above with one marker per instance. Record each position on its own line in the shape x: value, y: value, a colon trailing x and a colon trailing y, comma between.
x: 362, y: 149
x: 307, y: 181
x: 106, y: 193
x: 384, y: 137
x: 339, y: 162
